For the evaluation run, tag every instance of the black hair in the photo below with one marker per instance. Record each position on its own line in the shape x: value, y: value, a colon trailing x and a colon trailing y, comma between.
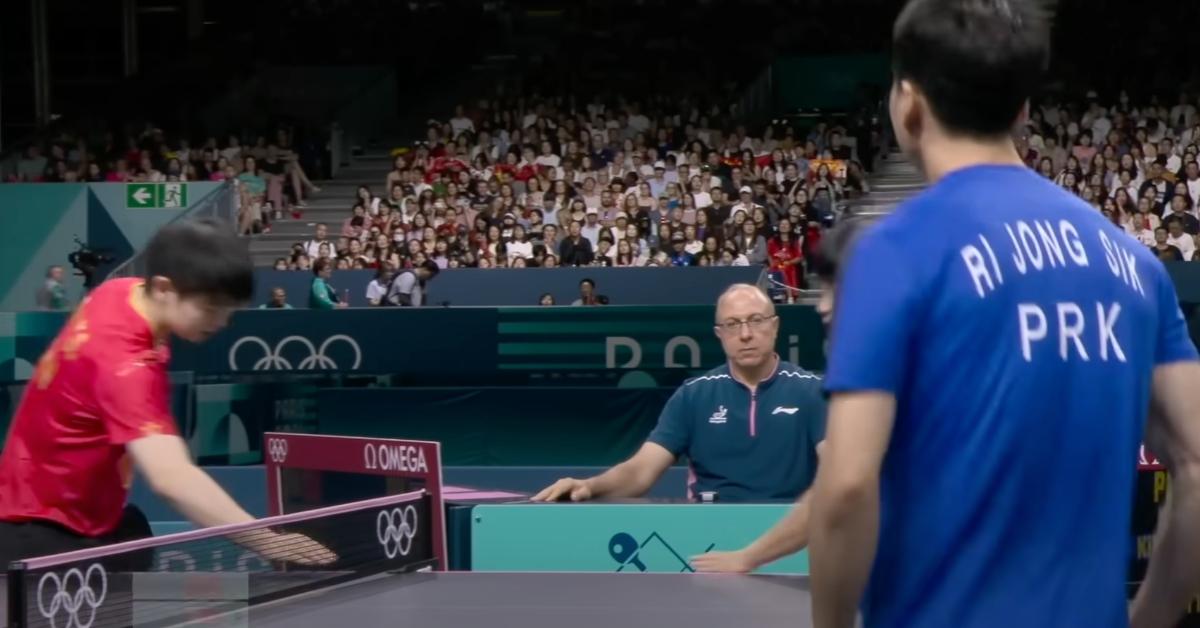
x: 203, y: 258
x: 836, y: 245
x: 977, y: 61
x: 432, y: 267
x: 321, y: 264
x: 588, y: 281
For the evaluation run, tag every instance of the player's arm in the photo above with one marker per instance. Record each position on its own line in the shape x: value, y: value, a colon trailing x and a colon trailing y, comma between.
x: 131, y: 397
x: 632, y: 478
x: 879, y: 297
x: 1173, y: 434
x: 788, y: 536
x: 164, y: 461
x: 635, y: 476
x: 845, y: 510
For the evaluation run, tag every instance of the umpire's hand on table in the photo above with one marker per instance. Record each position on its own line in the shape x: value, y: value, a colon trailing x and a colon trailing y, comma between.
x: 566, y: 488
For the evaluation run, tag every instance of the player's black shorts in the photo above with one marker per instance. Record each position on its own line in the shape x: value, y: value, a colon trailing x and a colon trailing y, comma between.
x: 31, y: 539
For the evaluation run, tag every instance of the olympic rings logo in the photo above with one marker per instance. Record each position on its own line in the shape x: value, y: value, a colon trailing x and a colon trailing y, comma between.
x: 71, y: 594
x: 277, y: 448
x: 274, y: 360
x: 395, y: 530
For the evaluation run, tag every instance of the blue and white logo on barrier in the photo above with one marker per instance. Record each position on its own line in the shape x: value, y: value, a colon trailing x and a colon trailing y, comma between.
x: 628, y: 552
x: 295, y: 353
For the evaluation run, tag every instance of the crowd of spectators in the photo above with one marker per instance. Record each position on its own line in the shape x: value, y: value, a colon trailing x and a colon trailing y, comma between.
x: 269, y: 172
x: 624, y: 184
x: 1134, y: 161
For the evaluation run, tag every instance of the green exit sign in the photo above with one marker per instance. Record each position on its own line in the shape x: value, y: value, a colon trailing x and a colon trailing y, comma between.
x: 156, y: 195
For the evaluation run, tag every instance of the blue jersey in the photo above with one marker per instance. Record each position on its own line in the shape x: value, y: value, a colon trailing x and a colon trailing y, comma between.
x: 1018, y: 330
x: 746, y: 446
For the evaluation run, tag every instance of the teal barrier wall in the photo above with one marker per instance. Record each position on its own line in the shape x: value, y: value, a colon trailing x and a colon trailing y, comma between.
x: 612, y: 346
x: 626, y: 538
x: 501, y: 426
x: 39, y: 222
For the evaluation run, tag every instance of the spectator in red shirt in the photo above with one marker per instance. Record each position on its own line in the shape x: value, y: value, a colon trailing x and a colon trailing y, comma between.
x: 785, y: 255
x: 97, y: 407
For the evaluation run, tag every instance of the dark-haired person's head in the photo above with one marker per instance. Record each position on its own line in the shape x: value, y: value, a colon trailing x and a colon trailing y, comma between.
x: 831, y: 257
x: 197, y: 273
x: 323, y: 267
x: 427, y: 270
x: 586, y: 287
x: 964, y: 70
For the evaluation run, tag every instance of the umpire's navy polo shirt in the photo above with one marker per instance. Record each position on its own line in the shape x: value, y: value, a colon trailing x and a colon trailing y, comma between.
x: 746, y: 446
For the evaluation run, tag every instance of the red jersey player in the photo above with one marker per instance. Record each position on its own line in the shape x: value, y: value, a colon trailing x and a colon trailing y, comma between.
x: 97, y: 407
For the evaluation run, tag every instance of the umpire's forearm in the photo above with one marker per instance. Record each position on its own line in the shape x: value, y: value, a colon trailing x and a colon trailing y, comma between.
x: 623, y: 480
x: 1173, y: 575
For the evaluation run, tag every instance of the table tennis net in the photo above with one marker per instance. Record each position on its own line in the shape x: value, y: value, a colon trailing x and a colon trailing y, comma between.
x: 210, y: 577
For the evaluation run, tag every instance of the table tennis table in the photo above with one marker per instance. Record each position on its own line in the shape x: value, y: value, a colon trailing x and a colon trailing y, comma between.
x: 539, y: 600
x: 389, y: 568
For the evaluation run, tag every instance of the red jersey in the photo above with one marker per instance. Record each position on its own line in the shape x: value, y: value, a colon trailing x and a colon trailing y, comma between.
x: 101, y: 384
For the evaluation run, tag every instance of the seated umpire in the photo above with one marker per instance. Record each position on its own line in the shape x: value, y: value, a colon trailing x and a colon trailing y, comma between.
x: 748, y: 428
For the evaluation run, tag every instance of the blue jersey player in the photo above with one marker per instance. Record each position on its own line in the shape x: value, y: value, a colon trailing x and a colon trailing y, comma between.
x: 997, y: 346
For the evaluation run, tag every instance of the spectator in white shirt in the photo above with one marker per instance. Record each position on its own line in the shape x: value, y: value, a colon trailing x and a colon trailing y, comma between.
x: 1167, y: 149
x: 548, y: 158
x: 746, y: 201
x: 519, y: 246
x: 708, y: 180
x: 1180, y: 240
x: 620, y: 228
x: 460, y: 123
x: 589, y: 193
x: 1183, y: 115
x: 1101, y: 125
x: 1193, y: 182
x: 232, y: 152
x: 378, y: 288
x: 672, y: 174
x: 637, y: 121
x: 1141, y: 229
x: 703, y: 199
x: 313, y: 247
x: 1190, y: 136
x: 658, y: 182
x: 645, y: 167
x: 591, y: 227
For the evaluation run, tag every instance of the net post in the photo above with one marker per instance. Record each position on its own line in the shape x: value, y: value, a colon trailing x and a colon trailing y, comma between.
x: 16, y: 595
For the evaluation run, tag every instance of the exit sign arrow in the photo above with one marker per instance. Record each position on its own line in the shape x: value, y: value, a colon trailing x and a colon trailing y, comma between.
x: 142, y: 195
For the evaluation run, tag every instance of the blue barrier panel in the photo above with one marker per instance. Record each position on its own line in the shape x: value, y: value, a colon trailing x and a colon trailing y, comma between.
x: 518, y: 287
